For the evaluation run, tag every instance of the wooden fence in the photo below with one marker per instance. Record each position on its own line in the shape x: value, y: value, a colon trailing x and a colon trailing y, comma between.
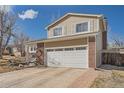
x: 112, y: 57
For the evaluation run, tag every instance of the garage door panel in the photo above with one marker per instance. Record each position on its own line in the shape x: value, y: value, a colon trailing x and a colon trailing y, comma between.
x: 54, y: 58
x: 72, y: 58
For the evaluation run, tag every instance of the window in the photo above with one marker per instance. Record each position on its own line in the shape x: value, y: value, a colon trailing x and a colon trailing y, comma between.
x: 31, y: 48
x: 50, y: 50
x: 69, y: 49
x: 57, y: 31
x: 58, y: 49
x: 35, y: 48
x: 80, y: 48
x: 82, y: 27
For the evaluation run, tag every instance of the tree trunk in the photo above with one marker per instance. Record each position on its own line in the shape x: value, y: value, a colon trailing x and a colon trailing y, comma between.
x: 1, y: 40
x: 7, y: 22
x: 1, y: 50
x: 7, y: 41
x: 1, y: 37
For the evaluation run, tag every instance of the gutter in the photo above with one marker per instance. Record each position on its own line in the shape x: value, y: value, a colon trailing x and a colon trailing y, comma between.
x: 63, y: 38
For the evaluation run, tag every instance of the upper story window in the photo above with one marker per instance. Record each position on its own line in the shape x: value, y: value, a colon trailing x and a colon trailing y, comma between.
x: 82, y: 27
x: 57, y: 31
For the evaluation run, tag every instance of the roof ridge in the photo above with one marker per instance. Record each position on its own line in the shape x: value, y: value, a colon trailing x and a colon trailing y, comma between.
x: 78, y: 14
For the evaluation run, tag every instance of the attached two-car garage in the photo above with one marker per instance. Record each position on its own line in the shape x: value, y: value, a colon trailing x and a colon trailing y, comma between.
x: 67, y: 52
x: 71, y: 56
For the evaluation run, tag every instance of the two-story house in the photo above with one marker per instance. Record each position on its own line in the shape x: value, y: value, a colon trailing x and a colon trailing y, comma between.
x: 74, y: 40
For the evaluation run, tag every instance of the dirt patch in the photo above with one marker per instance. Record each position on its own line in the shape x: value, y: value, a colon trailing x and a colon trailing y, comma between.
x: 12, y: 63
x: 4, y: 69
x: 109, y: 77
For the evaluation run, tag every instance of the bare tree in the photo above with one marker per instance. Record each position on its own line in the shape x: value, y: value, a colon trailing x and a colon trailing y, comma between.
x: 19, y: 42
x: 7, y: 26
x: 118, y: 43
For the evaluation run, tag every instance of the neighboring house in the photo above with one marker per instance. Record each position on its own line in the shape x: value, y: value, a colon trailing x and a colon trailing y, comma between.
x: 75, y: 40
x: 32, y: 49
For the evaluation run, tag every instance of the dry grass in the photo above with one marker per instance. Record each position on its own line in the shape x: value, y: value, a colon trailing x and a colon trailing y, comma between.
x: 4, y: 69
x: 4, y: 64
x: 109, y: 79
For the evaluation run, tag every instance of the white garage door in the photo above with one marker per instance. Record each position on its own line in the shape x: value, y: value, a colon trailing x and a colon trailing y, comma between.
x: 76, y: 57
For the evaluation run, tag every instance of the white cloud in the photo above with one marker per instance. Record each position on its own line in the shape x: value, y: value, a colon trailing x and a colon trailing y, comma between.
x: 28, y: 14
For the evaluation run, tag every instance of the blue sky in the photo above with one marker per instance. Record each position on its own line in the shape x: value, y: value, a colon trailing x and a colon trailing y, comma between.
x: 34, y: 26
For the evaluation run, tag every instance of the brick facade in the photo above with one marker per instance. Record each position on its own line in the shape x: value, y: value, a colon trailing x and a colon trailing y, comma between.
x: 92, y: 53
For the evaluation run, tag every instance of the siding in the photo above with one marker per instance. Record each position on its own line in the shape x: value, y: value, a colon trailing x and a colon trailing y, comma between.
x: 98, y: 49
x: 104, y: 33
x: 69, y: 25
x: 101, y: 42
x: 82, y: 41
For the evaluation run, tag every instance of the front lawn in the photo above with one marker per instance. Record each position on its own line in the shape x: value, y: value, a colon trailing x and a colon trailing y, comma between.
x: 110, y: 77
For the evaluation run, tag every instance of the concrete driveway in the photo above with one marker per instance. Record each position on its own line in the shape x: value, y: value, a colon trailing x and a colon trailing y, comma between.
x: 48, y: 77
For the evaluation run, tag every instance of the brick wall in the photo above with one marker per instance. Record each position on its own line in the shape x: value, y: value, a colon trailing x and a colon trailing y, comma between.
x: 92, y: 53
